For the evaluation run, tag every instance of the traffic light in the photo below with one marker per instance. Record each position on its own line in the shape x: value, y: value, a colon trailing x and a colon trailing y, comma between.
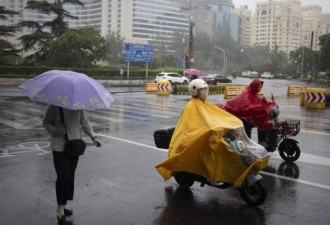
x: 186, y: 58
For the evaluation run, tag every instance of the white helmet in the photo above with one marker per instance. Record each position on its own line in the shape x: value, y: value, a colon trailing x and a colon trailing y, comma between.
x: 196, y: 84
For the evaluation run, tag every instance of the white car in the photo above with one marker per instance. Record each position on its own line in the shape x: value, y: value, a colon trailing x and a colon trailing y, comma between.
x: 246, y: 73
x: 267, y: 75
x: 174, y: 78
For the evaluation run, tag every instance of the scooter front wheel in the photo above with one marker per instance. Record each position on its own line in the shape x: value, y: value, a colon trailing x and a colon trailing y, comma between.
x: 185, y: 180
x: 289, y: 150
x: 254, y: 194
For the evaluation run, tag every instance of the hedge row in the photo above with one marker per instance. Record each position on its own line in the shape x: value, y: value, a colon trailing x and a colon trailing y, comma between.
x: 28, y: 72
x: 184, y: 88
x: 327, y: 97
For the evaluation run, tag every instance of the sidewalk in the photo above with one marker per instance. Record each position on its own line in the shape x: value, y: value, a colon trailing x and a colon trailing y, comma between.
x: 107, y: 83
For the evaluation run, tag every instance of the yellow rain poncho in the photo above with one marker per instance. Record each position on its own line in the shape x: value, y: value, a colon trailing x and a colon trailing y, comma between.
x: 197, y: 146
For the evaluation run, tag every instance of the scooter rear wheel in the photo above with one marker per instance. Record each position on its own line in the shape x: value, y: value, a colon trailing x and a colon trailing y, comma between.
x: 185, y: 180
x: 289, y: 150
x: 254, y: 194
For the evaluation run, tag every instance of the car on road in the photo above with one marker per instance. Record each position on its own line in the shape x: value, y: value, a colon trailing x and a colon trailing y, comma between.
x: 216, y: 78
x: 254, y: 74
x: 172, y: 77
x: 267, y: 75
x: 246, y: 73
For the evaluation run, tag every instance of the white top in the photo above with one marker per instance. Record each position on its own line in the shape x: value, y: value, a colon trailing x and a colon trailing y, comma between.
x: 72, y: 121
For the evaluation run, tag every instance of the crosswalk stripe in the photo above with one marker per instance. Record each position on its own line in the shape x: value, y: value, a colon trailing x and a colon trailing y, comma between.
x: 109, y: 113
x: 137, y: 112
x: 18, y: 114
x: 143, y: 111
x: 13, y: 124
x: 93, y: 115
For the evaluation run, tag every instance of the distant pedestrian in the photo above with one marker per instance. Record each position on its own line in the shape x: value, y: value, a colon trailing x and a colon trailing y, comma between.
x: 193, y: 77
x: 234, y: 74
x: 65, y: 165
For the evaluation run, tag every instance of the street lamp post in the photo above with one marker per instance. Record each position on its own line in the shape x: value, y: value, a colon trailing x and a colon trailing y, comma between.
x: 224, y: 58
x: 242, y: 50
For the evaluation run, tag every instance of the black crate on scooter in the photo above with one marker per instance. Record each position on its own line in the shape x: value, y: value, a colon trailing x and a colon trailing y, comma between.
x: 163, y: 137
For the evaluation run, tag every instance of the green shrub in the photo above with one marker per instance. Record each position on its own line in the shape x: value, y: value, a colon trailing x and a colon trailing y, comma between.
x: 184, y: 88
x: 327, y: 98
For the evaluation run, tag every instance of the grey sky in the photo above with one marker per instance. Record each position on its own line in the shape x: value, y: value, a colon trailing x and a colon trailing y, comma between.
x: 325, y: 4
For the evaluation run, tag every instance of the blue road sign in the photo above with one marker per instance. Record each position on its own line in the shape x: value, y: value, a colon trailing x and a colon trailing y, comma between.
x: 138, y: 53
x: 177, y: 62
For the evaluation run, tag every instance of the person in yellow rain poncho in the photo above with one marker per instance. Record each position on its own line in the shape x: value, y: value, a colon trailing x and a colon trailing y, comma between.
x: 197, y: 145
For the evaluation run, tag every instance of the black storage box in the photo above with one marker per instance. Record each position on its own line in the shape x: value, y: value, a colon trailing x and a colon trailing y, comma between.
x: 163, y: 137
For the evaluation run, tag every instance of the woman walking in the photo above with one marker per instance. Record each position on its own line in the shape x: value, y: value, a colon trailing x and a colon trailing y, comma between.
x: 65, y: 165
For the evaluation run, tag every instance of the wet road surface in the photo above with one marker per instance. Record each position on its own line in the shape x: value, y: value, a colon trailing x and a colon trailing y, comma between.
x: 118, y: 183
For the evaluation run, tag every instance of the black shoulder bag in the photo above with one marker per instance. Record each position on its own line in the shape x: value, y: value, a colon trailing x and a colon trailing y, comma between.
x: 73, y: 148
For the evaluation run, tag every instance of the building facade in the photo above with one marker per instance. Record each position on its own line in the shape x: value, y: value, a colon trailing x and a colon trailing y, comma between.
x: 136, y: 20
x: 245, y: 25
x: 215, y: 17
x: 285, y: 24
x: 279, y: 24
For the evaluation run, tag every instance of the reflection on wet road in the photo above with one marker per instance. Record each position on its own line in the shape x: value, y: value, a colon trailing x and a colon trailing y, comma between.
x: 119, y: 181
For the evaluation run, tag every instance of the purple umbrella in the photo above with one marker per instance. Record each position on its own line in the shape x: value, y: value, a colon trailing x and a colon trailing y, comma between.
x: 193, y: 72
x: 68, y: 89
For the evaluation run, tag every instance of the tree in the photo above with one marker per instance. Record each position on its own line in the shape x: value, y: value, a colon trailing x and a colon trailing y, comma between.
x: 7, y: 49
x: 278, y: 60
x: 116, y: 42
x: 38, y: 40
x: 204, y: 52
x: 180, y: 42
x: 78, y: 48
x: 57, y: 25
x: 323, y: 60
x: 302, y: 60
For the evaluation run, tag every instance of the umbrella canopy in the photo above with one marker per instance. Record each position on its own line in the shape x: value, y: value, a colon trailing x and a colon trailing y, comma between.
x: 193, y: 72
x: 68, y: 89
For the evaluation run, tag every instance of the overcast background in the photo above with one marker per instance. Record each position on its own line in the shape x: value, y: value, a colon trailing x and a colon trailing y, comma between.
x: 325, y: 4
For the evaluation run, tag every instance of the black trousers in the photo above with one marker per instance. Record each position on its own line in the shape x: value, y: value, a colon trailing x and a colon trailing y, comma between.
x: 247, y: 127
x: 65, y: 168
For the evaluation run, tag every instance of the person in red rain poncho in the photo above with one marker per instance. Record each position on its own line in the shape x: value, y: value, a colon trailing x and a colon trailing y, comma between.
x: 252, y: 109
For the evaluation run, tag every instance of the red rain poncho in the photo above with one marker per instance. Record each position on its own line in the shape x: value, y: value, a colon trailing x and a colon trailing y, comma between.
x: 249, y: 106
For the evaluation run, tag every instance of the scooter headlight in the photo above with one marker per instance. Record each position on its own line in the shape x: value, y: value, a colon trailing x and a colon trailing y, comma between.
x: 240, y: 145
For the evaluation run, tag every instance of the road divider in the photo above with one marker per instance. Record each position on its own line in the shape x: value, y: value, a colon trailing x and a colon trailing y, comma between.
x: 296, y: 90
x: 315, y: 98
x: 151, y: 88
x: 232, y: 91
x: 163, y: 87
x: 224, y: 84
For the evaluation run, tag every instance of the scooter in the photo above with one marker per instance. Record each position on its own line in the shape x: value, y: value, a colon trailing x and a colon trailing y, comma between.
x: 251, y: 190
x: 287, y: 147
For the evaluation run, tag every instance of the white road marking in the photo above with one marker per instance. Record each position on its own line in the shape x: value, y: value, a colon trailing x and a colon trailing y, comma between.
x: 132, y: 142
x: 296, y: 180
x: 308, y: 158
x: 315, y: 132
x: 262, y: 172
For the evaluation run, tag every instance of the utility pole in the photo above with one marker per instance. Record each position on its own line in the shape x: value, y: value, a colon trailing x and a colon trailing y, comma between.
x: 190, y: 56
x: 312, y: 40
x: 302, y: 63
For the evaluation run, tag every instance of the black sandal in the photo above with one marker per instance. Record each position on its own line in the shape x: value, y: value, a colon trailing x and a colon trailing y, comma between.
x: 68, y: 212
x: 61, y: 220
